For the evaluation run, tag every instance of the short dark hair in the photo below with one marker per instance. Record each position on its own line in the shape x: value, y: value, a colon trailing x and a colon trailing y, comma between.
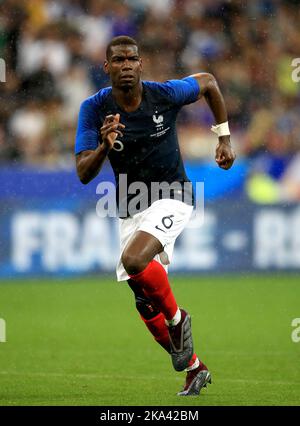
x: 120, y: 41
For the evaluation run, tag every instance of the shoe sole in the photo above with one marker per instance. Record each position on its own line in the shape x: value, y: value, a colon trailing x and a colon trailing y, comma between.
x: 202, y: 379
x: 181, y: 359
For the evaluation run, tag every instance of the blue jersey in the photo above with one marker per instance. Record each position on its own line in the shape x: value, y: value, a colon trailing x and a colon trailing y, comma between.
x: 148, y: 151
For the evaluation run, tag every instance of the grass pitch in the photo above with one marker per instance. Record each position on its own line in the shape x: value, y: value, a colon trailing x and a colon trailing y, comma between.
x: 81, y: 342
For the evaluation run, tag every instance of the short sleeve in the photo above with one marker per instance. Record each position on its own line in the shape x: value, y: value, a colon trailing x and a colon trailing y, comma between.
x: 87, y: 128
x: 181, y: 92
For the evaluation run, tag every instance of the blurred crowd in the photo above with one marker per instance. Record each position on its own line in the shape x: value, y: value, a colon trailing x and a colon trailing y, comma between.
x: 54, y: 51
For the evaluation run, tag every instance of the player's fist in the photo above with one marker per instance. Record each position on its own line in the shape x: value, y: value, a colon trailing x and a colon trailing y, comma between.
x: 225, y: 155
x: 111, y: 129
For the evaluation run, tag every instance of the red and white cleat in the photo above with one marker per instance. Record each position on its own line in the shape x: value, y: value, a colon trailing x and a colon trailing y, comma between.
x: 196, y: 380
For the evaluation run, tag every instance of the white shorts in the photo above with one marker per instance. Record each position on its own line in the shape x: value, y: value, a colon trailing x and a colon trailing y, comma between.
x: 164, y: 219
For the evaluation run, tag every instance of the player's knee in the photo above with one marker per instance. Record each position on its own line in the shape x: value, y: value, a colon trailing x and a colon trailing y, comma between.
x: 133, y: 262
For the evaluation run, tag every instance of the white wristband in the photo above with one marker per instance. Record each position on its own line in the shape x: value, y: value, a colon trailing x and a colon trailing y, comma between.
x: 221, y: 129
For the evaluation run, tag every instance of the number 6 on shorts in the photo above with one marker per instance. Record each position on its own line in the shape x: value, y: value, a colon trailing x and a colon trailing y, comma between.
x: 167, y: 222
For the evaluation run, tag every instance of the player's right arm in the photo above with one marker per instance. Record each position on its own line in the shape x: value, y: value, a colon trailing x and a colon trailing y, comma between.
x: 89, y: 162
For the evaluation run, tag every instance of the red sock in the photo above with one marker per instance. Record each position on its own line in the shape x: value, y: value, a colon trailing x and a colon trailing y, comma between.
x: 159, y: 330
x: 154, y: 281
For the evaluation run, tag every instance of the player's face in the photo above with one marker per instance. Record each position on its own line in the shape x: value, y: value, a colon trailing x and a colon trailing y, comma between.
x: 124, y: 66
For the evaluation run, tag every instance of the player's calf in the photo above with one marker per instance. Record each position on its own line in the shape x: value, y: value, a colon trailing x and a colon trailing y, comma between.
x: 153, y: 319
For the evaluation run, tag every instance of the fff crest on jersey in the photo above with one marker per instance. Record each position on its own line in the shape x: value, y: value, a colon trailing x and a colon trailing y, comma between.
x: 158, y: 120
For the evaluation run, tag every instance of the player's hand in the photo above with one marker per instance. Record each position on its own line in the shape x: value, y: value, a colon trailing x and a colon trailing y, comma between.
x: 225, y: 155
x: 111, y: 129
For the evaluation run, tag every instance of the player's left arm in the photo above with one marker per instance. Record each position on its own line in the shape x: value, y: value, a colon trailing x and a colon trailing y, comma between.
x: 210, y: 90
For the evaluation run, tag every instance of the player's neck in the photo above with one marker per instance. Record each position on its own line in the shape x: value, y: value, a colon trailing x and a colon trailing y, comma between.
x: 129, y: 100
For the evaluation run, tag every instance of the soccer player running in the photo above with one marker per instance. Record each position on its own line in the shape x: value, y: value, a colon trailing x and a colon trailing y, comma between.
x: 133, y: 123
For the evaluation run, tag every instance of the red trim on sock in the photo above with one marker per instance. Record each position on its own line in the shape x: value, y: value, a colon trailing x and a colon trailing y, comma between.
x: 193, y: 359
x: 154, y: 281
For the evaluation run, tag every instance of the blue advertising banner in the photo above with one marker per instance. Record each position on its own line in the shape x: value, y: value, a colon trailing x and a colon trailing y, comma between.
x: 49, y: 226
